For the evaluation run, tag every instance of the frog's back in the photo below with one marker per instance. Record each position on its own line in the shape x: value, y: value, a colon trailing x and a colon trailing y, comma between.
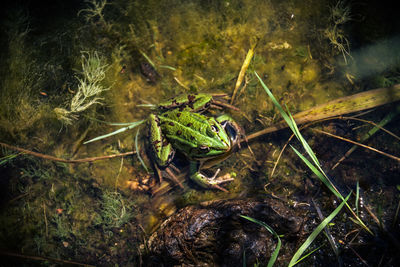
x: 194, y: 133
x: 193, y: 102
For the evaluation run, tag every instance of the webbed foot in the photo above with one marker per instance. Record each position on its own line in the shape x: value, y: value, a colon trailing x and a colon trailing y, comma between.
x: 211, y: 182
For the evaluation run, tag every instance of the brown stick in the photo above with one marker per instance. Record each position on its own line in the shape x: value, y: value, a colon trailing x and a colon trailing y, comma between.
x: 173, y: 177
x: 226, y: 105
x: 44, y: 156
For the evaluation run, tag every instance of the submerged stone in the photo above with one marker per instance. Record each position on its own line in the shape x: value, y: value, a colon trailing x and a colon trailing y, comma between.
x: 215, y: 235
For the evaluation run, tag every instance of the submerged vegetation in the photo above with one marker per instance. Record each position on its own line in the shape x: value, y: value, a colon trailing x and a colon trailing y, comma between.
x: 20, y: 108
x: 340, y: 14
x: 107, y: 61
x: 89, y: 87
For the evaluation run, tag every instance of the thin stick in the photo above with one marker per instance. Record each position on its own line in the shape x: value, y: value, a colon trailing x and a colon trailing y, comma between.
x: 359, y: 144
x: 45, y: 219
x: 374, y: 124
x: 275, y: 127
x: 328, y: 234
x: 280, y: 154
x: 173, y: 177
x: 39, y: 258
x: 355, y: 252
x: 226, y: 105
x: 44, y: 156
x: 370, y: 133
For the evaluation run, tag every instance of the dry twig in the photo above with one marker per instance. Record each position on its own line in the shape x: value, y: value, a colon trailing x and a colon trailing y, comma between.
x: 358, y: 144
x: 44, y: 156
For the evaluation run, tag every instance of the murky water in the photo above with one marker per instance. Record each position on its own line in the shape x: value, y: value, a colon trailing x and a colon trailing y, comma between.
x: 69, y: 67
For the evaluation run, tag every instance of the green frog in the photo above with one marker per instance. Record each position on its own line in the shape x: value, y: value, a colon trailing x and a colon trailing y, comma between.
x: 180, y: 126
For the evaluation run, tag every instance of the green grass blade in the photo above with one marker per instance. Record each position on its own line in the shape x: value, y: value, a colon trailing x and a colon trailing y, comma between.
x: 148, y: 59
x: 321, y: 174
x: 131, y: 126
x: 318, y: 174
x: 112, y: 123
x: 308, y: 254
x: 290, y: 121
x: 167, y: 67
x: 306, y: 146
x: 276, y: 103
x: 388, y: 118
x: 274, y: 254
x: 138, y: 151
x: 8, y: 158
x: 316, y: 232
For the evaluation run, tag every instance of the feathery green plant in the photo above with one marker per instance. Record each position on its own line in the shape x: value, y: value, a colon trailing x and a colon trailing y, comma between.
x: 93, y: 73
x: 114, y: 212
x: 94, y: 12
x: 339, y: 15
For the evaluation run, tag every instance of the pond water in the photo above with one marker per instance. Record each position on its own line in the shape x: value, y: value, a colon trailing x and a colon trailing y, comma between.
x: 70, y: 68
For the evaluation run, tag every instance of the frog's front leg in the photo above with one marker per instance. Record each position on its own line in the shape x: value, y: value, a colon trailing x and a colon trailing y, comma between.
x: 161, y: 149
x: 204, y: 181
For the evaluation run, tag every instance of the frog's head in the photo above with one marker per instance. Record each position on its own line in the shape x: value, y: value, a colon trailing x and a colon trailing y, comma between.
x: 216, y: 141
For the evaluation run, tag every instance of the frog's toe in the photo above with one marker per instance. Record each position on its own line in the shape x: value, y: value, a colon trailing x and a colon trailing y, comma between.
x: 223, y: 179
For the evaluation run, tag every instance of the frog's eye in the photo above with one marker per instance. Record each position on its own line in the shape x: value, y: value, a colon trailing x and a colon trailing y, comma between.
x: 214, y: 128
x: 204, y: 149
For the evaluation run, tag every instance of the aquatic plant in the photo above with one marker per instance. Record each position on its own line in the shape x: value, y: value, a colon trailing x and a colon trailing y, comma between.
x: 89, y: 88
x: 63, y: 228
x: 338, y: 40
x: 21, y: 78
x: 94, y: 12
x: 114, y: 212
x: 339, y: 15
x: 7, y: 156
x: 36, y: 172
